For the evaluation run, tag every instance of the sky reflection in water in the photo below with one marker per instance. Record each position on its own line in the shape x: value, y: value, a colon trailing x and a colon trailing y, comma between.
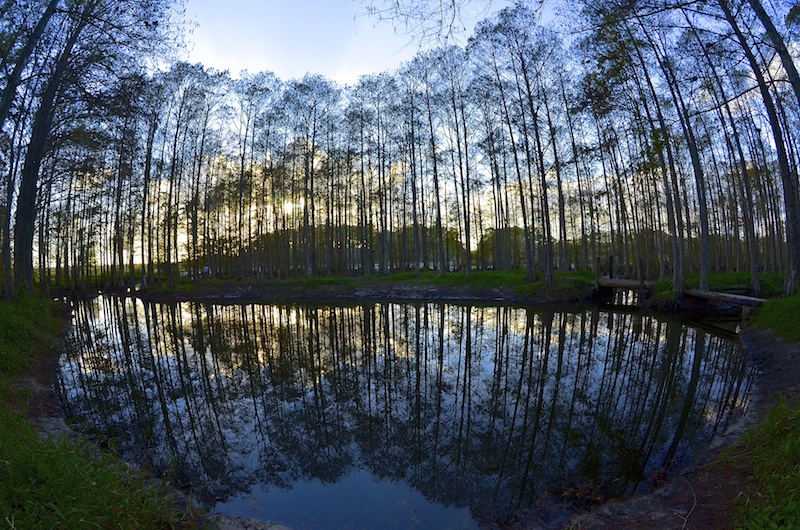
x: 356, y: 501
x: 380, y: 415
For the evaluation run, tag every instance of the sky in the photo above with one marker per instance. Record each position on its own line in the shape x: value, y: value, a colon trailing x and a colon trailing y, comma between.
x: 334, y: 38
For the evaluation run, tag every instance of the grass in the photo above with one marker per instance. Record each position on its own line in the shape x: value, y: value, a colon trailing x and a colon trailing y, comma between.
x: 26, y: 326
x: 781, y: 315
x: 772, y: 451
x: 568, y: 283
x: 771, y: 284
x: 772, y: 448
x: 53, y: 483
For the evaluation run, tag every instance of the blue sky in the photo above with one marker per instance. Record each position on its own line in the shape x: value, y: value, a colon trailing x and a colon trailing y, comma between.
x: 292, y: 37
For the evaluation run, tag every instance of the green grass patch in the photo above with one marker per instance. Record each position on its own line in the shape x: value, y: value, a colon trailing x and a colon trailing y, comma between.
x: 318, y: 282
x: 663, y: 289
x: 479, y: 279
x: 179, y: 285
x: 568, y: 283
x: 575, y: 283
x: 47, y: 483
x: 772, y: 449
x: 25, y: 326
x: 771, y: 284
x: 781, y: 316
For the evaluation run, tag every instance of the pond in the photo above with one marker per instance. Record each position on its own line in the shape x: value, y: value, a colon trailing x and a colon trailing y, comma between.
x: 386, y: 415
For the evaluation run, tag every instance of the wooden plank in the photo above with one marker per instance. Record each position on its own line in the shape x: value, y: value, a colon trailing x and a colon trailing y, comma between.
x: 726, y: 297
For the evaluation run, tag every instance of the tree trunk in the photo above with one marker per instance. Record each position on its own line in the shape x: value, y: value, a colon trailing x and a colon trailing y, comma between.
x: 790, y: 196
x: 40, y: 131
x: 780, y: 45
x: 436, y: 189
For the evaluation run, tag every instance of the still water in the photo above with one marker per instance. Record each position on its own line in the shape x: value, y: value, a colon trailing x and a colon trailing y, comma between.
x: 398, y: 415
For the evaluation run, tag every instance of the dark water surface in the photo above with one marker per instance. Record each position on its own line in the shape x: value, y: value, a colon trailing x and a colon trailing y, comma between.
x: 398, y: 415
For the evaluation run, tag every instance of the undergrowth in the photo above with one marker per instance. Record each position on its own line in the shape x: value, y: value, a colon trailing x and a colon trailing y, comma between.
x: 572, y: 285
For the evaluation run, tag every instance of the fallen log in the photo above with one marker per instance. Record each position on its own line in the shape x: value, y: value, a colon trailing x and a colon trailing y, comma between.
x: 726, y: 297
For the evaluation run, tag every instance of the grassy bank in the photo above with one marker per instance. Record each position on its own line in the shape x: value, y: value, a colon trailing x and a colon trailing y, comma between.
x: 772, y: 449
x: 771, y: 284
x: 47, y: 483
x: 772, y: 452
x: 782, y: 316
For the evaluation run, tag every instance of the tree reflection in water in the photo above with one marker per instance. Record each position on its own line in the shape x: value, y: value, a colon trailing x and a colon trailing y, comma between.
x: 498, y: 409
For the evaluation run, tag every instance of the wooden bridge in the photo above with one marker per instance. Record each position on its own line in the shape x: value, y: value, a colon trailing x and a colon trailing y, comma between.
x: 647, y: 286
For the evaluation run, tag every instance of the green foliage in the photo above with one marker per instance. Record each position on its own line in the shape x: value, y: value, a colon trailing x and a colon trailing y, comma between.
x: 321, y: 282
x: 663, y: 289
x: 793, y: 16
x: 46, y: 483
x: 773, y: 451
x: 771, y: 284
x: 568, y: 284
x: 401, y: 277
x: 481, y: 279
x: 780, y: 315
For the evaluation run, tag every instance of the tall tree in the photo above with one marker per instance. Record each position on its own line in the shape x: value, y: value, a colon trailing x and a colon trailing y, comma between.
x: 42, y: 123
x: 788, y: 178
x: 97, y: 34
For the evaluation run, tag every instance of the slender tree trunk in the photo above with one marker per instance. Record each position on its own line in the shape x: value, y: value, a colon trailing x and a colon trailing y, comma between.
x: 563, y: 258
x: 780, y: 45
x: 661, y: 144
x: 790, y: 193
x: 436, y: 188
x: 529, y: 251
x: 697, y: 166
x: 735, y: 146
x: 414, y: 205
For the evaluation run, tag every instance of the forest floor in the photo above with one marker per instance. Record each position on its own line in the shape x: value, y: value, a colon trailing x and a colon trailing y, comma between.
x: 701, y: 496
